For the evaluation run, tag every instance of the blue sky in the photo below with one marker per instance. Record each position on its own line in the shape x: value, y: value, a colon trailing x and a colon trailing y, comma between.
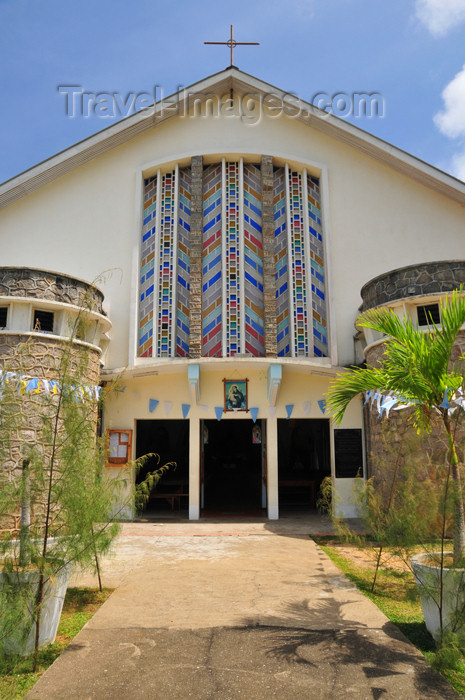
x: 410, y: 51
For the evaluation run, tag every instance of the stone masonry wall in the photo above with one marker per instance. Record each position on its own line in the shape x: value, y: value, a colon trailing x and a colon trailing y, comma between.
x: 413, y: 280
x: 196, y: 223
x: 40, y: 357
x: 269, y: 281
x: 42, y: 284
x: 36, y: 358
x: 391, y: 439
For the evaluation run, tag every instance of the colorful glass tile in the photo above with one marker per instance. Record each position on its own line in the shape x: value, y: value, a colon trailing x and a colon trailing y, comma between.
x: 315, y: 238
x: 253, y: 262
x: 147, y: 269
x: 211, y: 263
x: 298, y: 276
x: 232, y: 263
x: 281, y: 263
x: 183, y: 263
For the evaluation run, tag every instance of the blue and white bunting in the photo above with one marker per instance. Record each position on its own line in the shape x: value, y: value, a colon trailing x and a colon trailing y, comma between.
x: 254, y: 413
x: 385, y: 403
x: 25, y: 384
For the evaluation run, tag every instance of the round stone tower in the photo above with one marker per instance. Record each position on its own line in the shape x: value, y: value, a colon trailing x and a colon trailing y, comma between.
x: 414, y: 292
x: 44, y: 317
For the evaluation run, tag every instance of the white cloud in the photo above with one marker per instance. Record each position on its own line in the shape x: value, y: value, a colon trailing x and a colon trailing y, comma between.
x: 451, y: 120
x: 440, y: 16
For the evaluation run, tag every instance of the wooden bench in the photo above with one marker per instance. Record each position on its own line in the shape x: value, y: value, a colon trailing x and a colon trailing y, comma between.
x: 300, y: 492
x: 172, y: 498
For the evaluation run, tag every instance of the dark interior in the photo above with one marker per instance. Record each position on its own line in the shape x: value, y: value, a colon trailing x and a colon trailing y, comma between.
x: 170, y: 440
x: 303, y: 461
x: 232, y: 466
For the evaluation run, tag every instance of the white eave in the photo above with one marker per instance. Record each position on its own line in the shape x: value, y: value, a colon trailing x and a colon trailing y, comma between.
x: 130, y: 127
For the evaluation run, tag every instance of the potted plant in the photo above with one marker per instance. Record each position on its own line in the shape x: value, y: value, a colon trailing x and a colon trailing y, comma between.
x: 417, y: 371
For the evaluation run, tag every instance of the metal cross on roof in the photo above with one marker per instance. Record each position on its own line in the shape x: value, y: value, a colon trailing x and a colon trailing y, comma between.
x: 232, y: 43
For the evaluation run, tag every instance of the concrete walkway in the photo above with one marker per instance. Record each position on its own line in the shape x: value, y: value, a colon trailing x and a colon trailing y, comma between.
x: 229, y: 610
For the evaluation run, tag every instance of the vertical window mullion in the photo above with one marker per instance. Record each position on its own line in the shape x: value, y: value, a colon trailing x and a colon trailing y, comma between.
x: 157, y: 269
x: 290, y: 266
x: 225, y: 318
x: 307, y: 278
x: 174, y: 258
x: 241, y: 262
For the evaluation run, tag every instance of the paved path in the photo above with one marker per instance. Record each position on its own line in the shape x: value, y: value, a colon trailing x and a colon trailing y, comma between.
x: 226, y: 611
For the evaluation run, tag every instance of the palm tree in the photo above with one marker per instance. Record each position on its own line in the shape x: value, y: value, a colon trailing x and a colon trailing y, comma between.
x: 417, y: 368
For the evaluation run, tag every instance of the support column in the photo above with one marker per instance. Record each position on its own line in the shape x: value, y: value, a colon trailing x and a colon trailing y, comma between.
x: 194, y: 469
x: 272, y: 468
x: 196, y: 223
x: 269, y: 284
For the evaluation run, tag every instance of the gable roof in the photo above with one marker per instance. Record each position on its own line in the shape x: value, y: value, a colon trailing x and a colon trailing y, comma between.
x: 230, y: 78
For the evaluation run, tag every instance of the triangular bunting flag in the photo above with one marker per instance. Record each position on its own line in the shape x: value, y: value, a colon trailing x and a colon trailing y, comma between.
x: 203, y: 407
x: 33, y: 385
x: 306, y: 407
x: 445, y: 401
x: 289, y: 409
x: 153, y: 403
x: 254, y: 413
x: 388, y: 403
x: 322, y: 405
x: 368, y: 395
x: 219, y: 412
x: 186, y: 407
x: 272, y: 411
x: 168, y: 406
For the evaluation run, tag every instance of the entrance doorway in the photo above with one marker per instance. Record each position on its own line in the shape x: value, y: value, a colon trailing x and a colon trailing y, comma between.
x: 303, y: 461
x: 233, y: 471
x: 170, y: 440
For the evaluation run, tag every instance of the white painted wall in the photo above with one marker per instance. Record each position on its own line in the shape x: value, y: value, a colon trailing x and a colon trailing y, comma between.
x: 125, y: 408
x: 87, y: 222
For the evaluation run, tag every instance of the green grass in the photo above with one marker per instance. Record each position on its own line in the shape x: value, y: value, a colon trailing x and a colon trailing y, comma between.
x: 396, y: 596
x: 79, y: 606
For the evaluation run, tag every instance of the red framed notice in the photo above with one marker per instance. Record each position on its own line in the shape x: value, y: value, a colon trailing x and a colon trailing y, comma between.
x: 119, y: 446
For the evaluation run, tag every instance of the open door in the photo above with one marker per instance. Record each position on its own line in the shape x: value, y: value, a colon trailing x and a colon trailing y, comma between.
x: 232, y: 467
x: 203, y: 442
x: 264, y: 465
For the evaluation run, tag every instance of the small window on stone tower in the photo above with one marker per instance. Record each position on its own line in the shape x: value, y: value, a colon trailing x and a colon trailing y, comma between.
x: 428, y: 314
x: 3, y: 317
x: 43, y: 321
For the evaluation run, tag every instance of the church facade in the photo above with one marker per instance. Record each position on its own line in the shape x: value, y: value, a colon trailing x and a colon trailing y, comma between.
x: 234, y: 234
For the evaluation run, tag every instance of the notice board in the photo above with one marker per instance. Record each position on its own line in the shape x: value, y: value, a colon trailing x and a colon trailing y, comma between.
x: 348, y: 452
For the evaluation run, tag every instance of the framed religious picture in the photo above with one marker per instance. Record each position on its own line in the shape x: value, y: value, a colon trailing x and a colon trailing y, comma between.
x: 235, y: 395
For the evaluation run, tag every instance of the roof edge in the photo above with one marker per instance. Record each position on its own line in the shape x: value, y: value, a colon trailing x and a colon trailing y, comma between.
x: 128, y: 128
